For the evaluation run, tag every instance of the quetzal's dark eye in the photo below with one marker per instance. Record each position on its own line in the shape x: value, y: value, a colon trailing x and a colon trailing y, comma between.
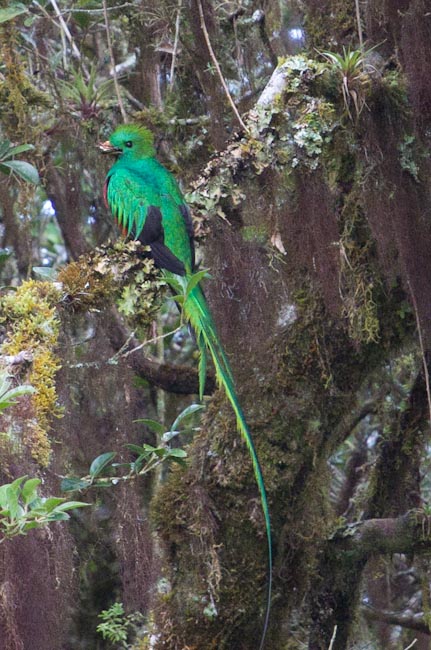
x: 129, y: 144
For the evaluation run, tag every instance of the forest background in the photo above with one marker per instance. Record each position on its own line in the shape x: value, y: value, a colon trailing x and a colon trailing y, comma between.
x: 300, y: 133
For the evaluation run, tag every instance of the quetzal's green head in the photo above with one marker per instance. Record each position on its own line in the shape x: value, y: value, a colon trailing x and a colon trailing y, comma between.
x: 131, y: 142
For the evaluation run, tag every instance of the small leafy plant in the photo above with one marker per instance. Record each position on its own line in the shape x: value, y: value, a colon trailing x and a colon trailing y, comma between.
x: 350, y: 67
x: 183, y: 286
x: 86, y: 96
x: 8, y: 164
x: 8, y: 395
x: 22, y: 509
x: 115, y: 624
x: 103, y: 471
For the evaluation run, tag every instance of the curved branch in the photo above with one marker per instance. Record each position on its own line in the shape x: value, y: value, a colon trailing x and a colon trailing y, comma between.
x: 217, y: 66
x: 182, y: 380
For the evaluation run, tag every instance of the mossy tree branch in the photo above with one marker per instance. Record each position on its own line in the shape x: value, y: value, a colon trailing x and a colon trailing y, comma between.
x: 415, y: 622
x: 174, y: 378
x: 409, y: 533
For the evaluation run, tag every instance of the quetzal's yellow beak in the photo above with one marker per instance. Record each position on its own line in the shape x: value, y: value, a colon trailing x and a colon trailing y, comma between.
x: 107, y: 147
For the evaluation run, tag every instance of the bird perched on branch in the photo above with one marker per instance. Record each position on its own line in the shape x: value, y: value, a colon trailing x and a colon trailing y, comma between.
x: 147, y: 203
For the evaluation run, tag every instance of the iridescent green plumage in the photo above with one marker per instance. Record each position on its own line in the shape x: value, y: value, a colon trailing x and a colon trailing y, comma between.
x: 148, y: 205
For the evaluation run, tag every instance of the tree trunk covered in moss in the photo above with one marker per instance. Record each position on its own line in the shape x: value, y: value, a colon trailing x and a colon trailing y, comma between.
x: 308, y: 327
x: 315, y: 223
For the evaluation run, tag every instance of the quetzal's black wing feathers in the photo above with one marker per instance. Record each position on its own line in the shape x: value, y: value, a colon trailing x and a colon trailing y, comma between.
x: 152, y: 234
x: 135, y: 206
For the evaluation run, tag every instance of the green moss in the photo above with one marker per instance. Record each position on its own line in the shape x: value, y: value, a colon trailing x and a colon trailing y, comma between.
x: 123, y: 273
x: 32, y: 325
x: 83, y: 288
x: 31, y: 316
x: 337, y: 19
x: 257, y: 234
x: 17, y: 95
x: 360, y: 283
x: 210, y: 511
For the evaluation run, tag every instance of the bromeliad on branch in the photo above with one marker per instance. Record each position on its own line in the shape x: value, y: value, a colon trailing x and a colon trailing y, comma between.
x: 148, y: 205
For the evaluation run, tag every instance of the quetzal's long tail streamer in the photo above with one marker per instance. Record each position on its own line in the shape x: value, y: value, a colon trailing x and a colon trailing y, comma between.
x: 198, y: 314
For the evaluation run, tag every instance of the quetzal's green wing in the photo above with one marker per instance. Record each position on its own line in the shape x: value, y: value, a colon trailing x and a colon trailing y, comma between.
x: 146, y: 213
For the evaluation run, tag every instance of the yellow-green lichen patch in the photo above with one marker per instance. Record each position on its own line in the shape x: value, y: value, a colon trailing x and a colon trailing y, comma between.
x: 123, y: 274
x: 82, y: 287
x: 17, y: 95
x: 32, y: 326
x: 359, y: 283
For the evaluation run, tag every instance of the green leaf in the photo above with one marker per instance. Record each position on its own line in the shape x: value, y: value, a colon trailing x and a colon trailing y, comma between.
x: 138, y: 464
x: 36, y: 503
x: 71, y: 505
x: 161, y: 452
x: 57, y: 516
x: 12, y: 495
x: 136, y: 448
x: 8, y: 397
x: 15, y: 486
x: 176, y: 452
x: 4, y: 148
x: 13, y: 492
x: 71, y: 484
x: 156, y: 427
x: 23, y: 169
x: 20, y: 148
x: 195, y: 280
x: 12, y: 11
x: 99, y: 463
x: 50, y: 504
x: 5, y: 253
x: 193, y: 408
x: 179, y: 299
x: 3, y: 496
x: 29, y: 490
x: 45, y: 272
x: 174, y: 283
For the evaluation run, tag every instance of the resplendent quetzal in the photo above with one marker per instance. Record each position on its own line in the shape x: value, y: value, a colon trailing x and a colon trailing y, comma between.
x: 148, y: 205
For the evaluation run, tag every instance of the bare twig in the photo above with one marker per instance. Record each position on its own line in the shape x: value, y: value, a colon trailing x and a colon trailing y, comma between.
x: 331, y: 645
x: 217, y: 67
x: 422, y: 347
x: 62, y: 36
x: 155, y: 339
x: 111, y: 57
x: 66, y: 32
x: 175, y: 50
x: 358, y: 20
x: 125, y: 5
x: 174, y: 378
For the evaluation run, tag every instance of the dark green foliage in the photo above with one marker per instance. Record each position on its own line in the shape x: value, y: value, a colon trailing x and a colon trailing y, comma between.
x: 22, y: 509
x: 8, y: 165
